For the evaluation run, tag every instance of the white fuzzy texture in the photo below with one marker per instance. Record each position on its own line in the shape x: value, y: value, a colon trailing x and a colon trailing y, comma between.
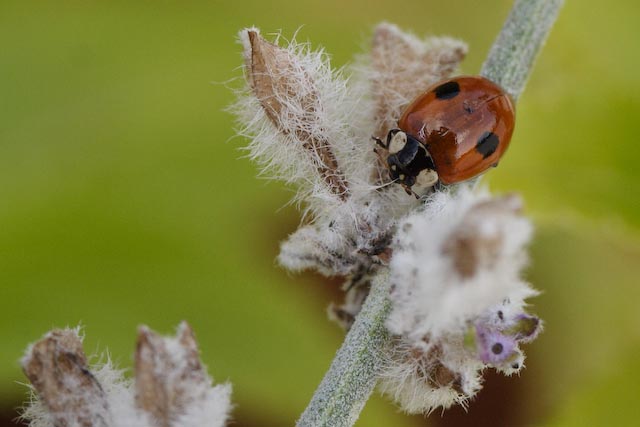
x: 418, y: 394
x: 430, y: 296
x: 197, y: 402
x: 212, y: 409
x: 437, y: 302
x: 346, y: 112
x: 119, y: 395
x: 209, y: 405
x: 342, y: 240
x: 321, y: 105
x: 118, y: 392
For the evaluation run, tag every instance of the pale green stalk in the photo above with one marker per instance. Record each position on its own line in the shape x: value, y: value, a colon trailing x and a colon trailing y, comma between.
x: 511, y: 57
x: 354, y: 371
x: 353, y: 374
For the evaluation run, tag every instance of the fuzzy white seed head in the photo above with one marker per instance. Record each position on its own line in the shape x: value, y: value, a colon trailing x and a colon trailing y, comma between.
x: 454, y: 259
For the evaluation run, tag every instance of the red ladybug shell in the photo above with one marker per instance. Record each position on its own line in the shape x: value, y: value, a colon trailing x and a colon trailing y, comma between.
x: 465, y: 123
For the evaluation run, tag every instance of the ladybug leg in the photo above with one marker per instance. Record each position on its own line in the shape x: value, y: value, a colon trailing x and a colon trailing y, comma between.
x: 409, y: 191
x: 380, y: 143
x: 381, y: 156
x: 408, y: 182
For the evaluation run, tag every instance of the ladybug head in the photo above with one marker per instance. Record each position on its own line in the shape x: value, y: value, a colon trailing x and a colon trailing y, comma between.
x: 409, y: 163
x: 396, y: 141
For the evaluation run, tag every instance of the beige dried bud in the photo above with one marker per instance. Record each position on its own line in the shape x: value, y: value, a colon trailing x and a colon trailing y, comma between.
x: 172, y: 388
x: 429, y: 367
x: 168, y: 374
x: 404, y: 66
x: 289, y: 97
x: 441, y: 376
x: 58, y: 370
x: 478, y: 240
x: 422, y: 377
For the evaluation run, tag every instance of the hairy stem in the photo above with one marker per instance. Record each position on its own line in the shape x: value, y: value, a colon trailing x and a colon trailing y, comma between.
x: 512, y: 55
x: 354, y: 372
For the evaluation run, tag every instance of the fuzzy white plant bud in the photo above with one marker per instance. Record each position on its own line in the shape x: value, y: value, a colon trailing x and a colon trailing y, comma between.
x: 70, y: 394
x: 312, y: 127
x: 171, y: 386
x: 296, y: 111
x: 458, y: 298
x: 402, y: 65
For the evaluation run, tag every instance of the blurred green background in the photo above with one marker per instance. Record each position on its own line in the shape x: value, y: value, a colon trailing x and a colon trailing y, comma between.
x: 124, y: 199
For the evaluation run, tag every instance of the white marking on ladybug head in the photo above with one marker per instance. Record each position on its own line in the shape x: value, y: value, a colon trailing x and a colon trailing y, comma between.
x: 426, y: 179
x: 397, y: 143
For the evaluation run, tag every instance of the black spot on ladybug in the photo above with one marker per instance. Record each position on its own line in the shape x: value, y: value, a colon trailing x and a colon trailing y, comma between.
x: 487, y: 144
x: 447, y: 90
x: 497, y: 348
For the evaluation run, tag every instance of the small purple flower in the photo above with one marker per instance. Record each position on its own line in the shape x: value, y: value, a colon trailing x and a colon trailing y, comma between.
x: 493, y: 347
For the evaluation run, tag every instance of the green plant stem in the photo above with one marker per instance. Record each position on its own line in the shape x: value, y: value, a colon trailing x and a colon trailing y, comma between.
x: 354, y: 372
x: 514, y: 51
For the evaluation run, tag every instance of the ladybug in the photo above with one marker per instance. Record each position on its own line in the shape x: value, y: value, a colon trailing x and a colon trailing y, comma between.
x: 454, y: 131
